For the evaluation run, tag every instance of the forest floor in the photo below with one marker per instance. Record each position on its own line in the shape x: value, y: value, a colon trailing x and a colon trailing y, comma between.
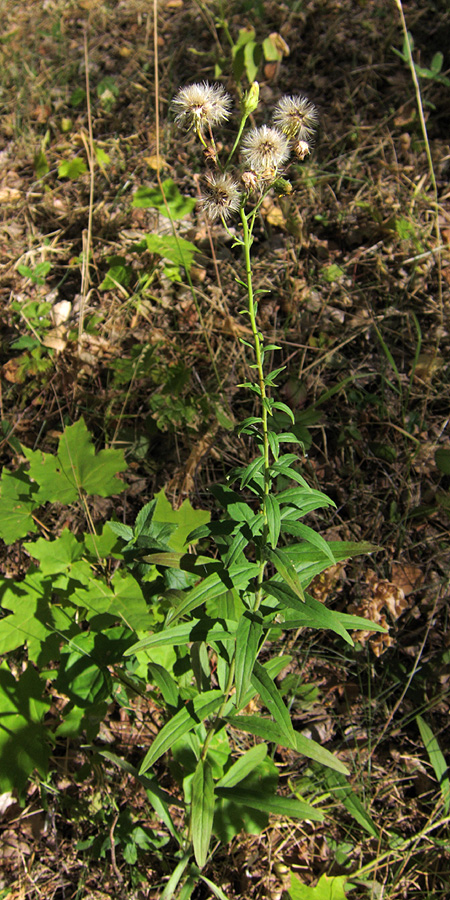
x: 356, y: 262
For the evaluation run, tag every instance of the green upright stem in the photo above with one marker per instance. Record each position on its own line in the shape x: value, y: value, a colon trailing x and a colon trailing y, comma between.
x: 258, y: 341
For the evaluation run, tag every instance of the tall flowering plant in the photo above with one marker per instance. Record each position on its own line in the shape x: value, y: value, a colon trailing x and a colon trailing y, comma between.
x: 239, y: 581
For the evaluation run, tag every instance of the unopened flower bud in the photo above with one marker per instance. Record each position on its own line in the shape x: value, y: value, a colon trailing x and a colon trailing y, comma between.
x: 302, y: 149
x: 282, y: 186
x: 251, y: 99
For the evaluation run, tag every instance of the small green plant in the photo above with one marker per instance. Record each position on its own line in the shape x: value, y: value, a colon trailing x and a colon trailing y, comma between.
x: 432, y: 72
x: 184, y: 602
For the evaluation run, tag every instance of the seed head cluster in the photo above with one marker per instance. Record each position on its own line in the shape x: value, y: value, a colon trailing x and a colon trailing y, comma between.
x: 264, y: 150
x: 200, y: 105
x: 296, y: 117
x: 222, y: 197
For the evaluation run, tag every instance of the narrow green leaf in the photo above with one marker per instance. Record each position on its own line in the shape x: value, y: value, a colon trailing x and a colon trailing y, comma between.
x: 272, y: 698
x: 202, y: 810
x: 248, y: 636
x: 197, y: 710
x: 270, y: 731
x: 287, y: 570
x: 175, y: 878
x: 217, y: 891
x: 344, y: 794
x: 211, y: 586
x: 316, y: 539
x: 159, y: 798
x: 232, y: 502
x: 243, y: 766
x: 286, y: 409
x: 274, y: 444
x: 251, y: 470
x: 273, y: 519
x: 437, y: 760
x: 311, y: 612
x: 165, y: 682
x: 304, y: 499
x: 280, y: 806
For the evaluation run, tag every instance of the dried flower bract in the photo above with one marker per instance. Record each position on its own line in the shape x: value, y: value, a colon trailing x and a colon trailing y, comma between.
x: 264, y: 149
x: 201, y: 105
x: 296, y: 117
x: 222, y: 197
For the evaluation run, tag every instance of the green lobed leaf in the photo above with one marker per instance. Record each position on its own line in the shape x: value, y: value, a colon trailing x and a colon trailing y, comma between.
x: 170, y: 202
x: 202, y: 810
x: 123, y: 599
x: 23, y: 737
x: 17, y: 502
x: 327, y: 888
x: 171, y: 247
x: 75, y: 467
x: 57, y: 555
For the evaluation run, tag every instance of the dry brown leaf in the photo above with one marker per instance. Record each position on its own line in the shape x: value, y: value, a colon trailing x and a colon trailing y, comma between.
x: 407, y: 578
x: 11, y: 371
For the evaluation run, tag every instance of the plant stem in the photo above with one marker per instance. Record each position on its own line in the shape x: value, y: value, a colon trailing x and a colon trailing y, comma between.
x: 259, y: 349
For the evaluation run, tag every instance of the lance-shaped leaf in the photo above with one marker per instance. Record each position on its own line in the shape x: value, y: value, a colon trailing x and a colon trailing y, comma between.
x: 158, y: 797
x: 270, y: 731
x: 248, y: 636
x: 273, y: 519
x: 280, y: 806
x: 243, y: 766
x: 196, y: 711
x: 272, y: 698
x: 286, y: 569
x: 212, y: 586
x: 202, y: 810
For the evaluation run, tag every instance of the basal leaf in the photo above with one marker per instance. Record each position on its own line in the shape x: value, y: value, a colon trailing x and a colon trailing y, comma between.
x: 327, y: 888
x: 30, y: 622
x: 186, y: 519
x: 174, y: 248
x: 170, y: 203
x: 202, y: 810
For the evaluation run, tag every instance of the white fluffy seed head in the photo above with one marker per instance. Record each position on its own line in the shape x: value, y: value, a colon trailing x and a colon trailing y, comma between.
x: 264, y: 149
x: 221, y: 198
x: 200, y: 105
x: 296, y: 117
